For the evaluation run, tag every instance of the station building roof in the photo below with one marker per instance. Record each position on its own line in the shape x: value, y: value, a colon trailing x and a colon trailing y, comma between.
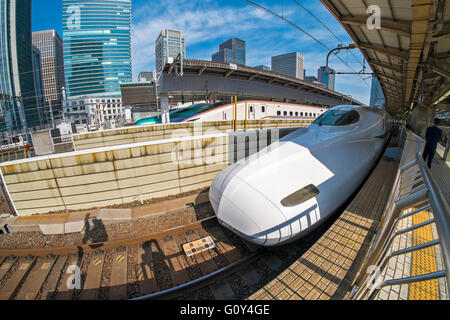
x: 202, y: 80
x: 409, y: 53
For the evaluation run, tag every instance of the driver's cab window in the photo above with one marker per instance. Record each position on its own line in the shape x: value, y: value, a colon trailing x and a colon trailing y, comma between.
x: 338, y: 118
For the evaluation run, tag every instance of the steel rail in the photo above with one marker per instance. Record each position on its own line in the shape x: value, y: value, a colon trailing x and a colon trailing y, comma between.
x: 21, y: 252
x: 200, y: 280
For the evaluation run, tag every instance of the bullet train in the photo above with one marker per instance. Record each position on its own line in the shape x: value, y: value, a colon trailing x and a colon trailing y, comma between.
x: 257, y: 110
x: 286, y: 190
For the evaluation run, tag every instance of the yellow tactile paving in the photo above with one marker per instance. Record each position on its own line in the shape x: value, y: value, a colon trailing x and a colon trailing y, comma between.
x: 423, y: 261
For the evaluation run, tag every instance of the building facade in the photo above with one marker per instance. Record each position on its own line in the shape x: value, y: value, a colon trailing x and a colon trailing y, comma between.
x: 290, y: 64
x: 327, y: 79
x: 376, y: 95
x: 97, y: 47
x: 231, y: 51
x: 18, y: 104
x: 37, y: 78
x: 145, y: 76
x: 96, y: 113
x: 263, y: 67
x: 170, y: 44
x: 50, y: 46
x: 311, y: 78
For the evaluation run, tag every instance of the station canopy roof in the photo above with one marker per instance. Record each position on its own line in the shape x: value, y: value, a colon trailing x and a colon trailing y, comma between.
x: 409, y: 53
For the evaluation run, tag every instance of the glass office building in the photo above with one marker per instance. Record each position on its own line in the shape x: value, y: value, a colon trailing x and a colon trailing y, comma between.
x: 18, y: 99
x: 7, y: 106
x: 170, y: 44
x: 50, y: 46
x: 97, y: 46
x: 38, y: 88
x: 263, y: 67
x: 231, y: 51
x: 290, y: 64
x: 327, y: 79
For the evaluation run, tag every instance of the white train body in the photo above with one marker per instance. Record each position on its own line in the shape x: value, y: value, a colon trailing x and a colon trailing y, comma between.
x: 256, y: 110
x: 284, y: 191
x: 259, y: 110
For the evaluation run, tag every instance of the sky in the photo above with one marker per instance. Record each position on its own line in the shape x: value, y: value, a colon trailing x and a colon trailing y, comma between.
x: 206, y: 23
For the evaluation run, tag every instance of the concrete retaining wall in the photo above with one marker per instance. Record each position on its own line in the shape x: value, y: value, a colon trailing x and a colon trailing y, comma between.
x: 167, y: 131
x: 123, y: 174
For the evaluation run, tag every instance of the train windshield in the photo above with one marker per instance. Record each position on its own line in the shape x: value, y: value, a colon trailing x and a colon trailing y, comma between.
x: 190, y: 111
x: 337, y: 118
x: 181, y: 114
x: 187, y: 112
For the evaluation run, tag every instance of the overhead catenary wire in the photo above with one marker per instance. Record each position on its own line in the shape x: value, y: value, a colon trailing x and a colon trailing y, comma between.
x: 305, y: 32
x: 326, y: 27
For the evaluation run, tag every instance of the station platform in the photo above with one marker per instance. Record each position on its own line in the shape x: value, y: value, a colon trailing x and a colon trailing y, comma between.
x: 424, y: 261
x: 327, y: 271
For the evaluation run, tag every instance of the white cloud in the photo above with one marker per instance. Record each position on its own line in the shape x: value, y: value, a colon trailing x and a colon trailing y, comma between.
x: 207, y: 23
x: 199, y: 26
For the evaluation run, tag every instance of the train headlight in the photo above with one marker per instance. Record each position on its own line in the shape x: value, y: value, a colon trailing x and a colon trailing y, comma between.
x: 300, y: 196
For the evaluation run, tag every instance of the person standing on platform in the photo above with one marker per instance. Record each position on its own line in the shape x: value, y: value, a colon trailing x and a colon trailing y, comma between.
x: 432, y: 137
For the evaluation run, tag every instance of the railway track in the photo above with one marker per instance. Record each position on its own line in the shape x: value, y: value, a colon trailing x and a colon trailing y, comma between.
x: 151, y: 266
x: 119, y: 269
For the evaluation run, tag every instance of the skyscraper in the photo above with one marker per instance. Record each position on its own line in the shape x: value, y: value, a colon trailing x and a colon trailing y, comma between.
x: 290, y: 64
x: 18, y: 104
x: 326, y: 79
x: 145, y: 76
x: 170, y: 44
x: 231, y: 51
x: 376, y: 94
x: 97, y: 46
x: 263, y: 67
x: 38, y: 89
x: 310, y: 78
x: 52, y: 70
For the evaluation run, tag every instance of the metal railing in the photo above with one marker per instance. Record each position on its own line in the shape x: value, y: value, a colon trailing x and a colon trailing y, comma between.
x: 414, y: 187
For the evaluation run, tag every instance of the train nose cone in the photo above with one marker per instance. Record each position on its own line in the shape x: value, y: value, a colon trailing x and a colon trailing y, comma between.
x: 218, y: 186
x: 246, y: 212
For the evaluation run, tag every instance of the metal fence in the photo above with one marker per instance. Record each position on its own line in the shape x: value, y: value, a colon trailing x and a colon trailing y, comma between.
x: 414, y: 187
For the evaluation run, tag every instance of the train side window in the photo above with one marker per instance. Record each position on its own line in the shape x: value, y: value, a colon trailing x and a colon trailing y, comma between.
x: 285, y: 113
x: 251, y: 108
x: 291, y: 113
x: 301, y: 114
x: 278, y: 113
x: 263, y: 109
x: 296, y: 114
